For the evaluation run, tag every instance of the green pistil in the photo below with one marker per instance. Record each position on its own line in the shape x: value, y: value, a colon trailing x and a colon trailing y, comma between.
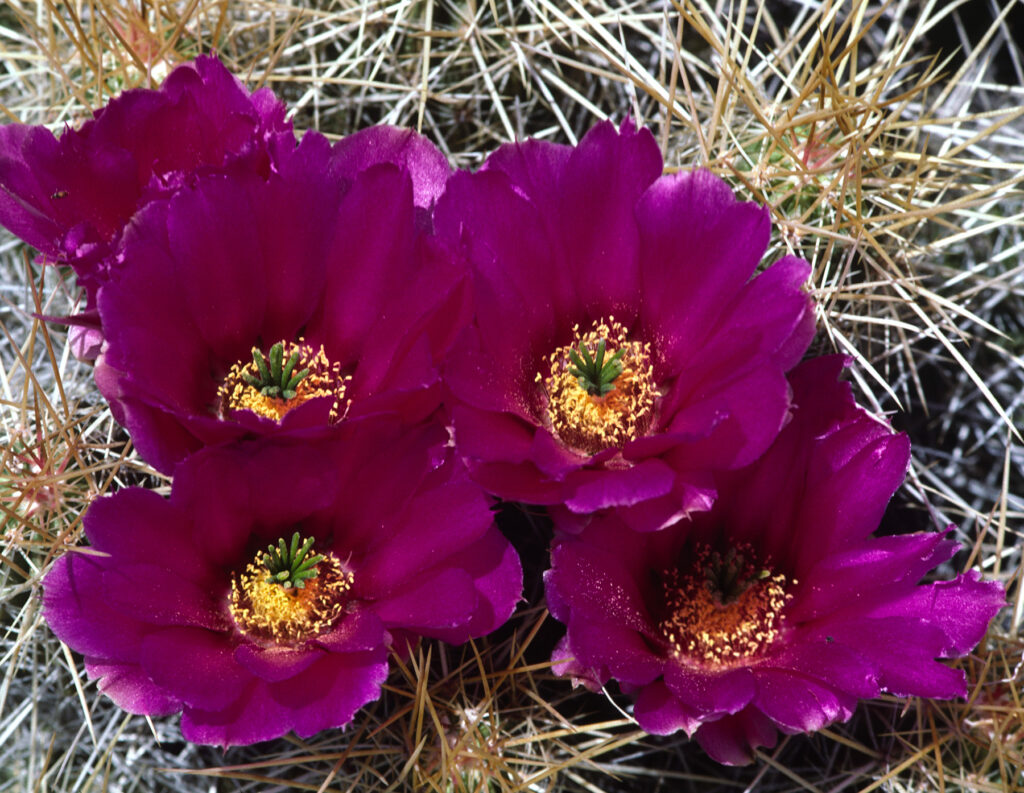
x: 275, y: 380
x: 730, y: 575
x: 596, y: 375
x: 288, y: 565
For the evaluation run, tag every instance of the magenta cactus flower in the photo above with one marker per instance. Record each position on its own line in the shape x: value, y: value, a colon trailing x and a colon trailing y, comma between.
x: 262, y: 596
x: 777, y: 609
x: 253, y: 305
x: 623, y: 347
x: 72, y: 197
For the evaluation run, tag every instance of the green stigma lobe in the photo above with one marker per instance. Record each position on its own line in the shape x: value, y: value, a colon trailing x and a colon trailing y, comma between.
x: 275, y: 374
x: 289, y: 564
x: 595, y: 374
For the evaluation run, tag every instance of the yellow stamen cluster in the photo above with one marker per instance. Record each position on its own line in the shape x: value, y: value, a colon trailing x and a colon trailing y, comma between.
x: 707, y: 627
x: 588, y: 423
x: 324, y: 380
x: 268, y: 611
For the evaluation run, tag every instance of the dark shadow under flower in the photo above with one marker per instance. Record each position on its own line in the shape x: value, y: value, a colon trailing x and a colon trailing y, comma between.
x: 777, y: 609
x: 324, y: 266
x: 72, y: 197
x: 261, y: 597
x: 623, y: 347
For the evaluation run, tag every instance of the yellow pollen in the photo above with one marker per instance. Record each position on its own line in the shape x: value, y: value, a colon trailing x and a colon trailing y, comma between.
x: 709, y: 628
x: 269, y: 611
x: 588, y: 423
x: 324, y: 380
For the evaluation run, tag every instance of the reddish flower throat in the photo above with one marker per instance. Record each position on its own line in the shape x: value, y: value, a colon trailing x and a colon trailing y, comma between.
x: 722, y: 609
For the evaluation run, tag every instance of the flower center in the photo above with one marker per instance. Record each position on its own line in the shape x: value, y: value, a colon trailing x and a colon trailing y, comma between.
x: 288, y: 595
x: 724, y: 608
x: 290, y: 374
x: 600, y: 389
